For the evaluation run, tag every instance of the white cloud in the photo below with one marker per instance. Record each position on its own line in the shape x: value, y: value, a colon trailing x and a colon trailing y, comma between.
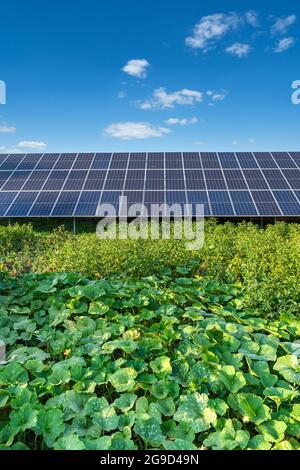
x: 251, y: 17
x: 281, y: 25
x: 213, y: 28
x: 181, y: 122
x: 134, y: 130
x: 239, y: 50
x: 235, y: 142
x: 163, y: 100
x: 32, y: 145
x: 217, y: 96
x: 121, y: 95
x: 136, y: 68
x: 7, y: 130
x: 283, y: 45
x: 252, y: 141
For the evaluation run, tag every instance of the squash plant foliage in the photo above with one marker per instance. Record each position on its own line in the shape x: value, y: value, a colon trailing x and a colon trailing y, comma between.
x: 150, y: 363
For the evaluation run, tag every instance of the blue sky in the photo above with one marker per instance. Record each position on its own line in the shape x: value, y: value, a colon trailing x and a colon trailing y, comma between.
x: 149, y: 75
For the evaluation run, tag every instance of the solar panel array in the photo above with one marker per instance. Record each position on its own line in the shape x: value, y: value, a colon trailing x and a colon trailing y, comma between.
x: 241, y: 184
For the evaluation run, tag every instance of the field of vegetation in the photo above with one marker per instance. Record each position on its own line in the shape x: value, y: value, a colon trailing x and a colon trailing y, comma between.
x: 145, y: 345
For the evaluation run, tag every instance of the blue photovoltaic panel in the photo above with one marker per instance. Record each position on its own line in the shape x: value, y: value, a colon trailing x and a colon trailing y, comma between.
x: 47, y: 161
x: 119, y: 161
x: 174, y: 180
x: 246, y: 160
x: 288, y: 202
x: 55, y: 180
x: 192, y: 160
x: 115, y: 180
x: 87, y: 203
x: 296, y: 157
x: 228, y: 160
x: 293, y: 177
x: 265, y: 160
x: 43, y: 204
x: 283, y: 160
x: 83, y: 161
x: 173, y: 160
x: 198, y: 197
x: 155, y: 160
x: 3, y: 156
x: 4, y: 176
x: 135, y: 179
x: 214, y: 179
x: 30, y: 161
x: 35, y: 181
x: 16, y: 181
x: 134, y: 197
x: 5, y: 201
x: 235, y: 179
x: 220, y: 203
x: 210, y: 160
x: 275, y: 179
x: 85, y: 174
x: 12, y: 161
x: 66, y: 204
x: 65, y: 161
x: 242, y: 203
x: 95, y: 180
x: 155, y: 180
x: 21, y: 205
x: 265, y: 203
x: 297, y: 194
x: 75, y: 180
x: 194, y: 179
x: 137, y: 161
x: 176, y: 197
x: 101, y: 161
x: 255, y: 179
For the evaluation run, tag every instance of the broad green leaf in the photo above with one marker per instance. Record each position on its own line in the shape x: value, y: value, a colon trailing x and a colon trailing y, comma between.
x: 228, y: 438
x: 125, y: 401
x: 194, y: 410
x: 179, y: 444
x: 289, y: 367
x: 250, y: 406
x: 149, y: 430
x: 273, y: 431
x: 123, y: 379
x: 161, y: 365
x: 70, y: 442
x: 50, y: 425
x: 233, y: 380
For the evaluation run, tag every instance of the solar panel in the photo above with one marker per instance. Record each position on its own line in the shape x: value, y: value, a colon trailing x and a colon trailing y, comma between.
x: 194, y: 179
x: 241, y: 184
x: 83, y: 161
x: 220, y: 203
x: 173, y: 160
x: 43, y: 204
x: 275, y: 179
x: 174, y: 180
x: 243, y: 203
x: 210, y: 160
x: 283, y: 160
x: 16, y: 181
x: 21, y: 205
x: 47, y: 161
x: 228, y: 160
x: 288, y: 202
x: 155, y: 160
x: 265, y: 160
x: 65, y: 204
x: 192, y: 160
x: 135, y: 179
x: 214, y: 179
x: 235, y: 179
x: 12, y: 161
